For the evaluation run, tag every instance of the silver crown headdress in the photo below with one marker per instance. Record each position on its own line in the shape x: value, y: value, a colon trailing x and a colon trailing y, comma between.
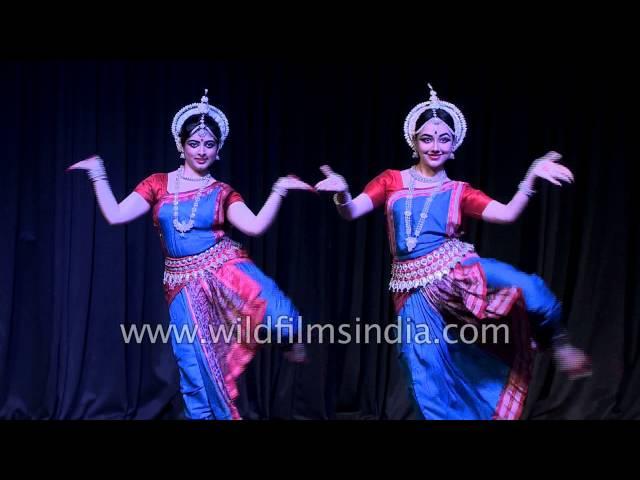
x: 434, y: 103
x: 203, y: 108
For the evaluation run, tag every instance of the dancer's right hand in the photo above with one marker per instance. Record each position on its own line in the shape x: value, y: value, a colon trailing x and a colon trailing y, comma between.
x: 334, y: 182
x: 291, y: 182
x: 86, y: 164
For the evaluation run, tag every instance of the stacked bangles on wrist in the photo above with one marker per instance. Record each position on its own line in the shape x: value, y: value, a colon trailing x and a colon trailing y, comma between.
x: 526, y: 185
x: 98, y: 173
x: 279, y: 190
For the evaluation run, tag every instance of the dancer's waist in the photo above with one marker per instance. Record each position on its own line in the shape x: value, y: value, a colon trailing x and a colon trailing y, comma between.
x: 419, y: 272
x: 181, y: 269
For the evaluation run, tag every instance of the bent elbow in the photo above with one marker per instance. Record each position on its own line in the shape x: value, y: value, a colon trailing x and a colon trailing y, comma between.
x: 257, y: 233
x: 346, y: 215
x: 114, y: 221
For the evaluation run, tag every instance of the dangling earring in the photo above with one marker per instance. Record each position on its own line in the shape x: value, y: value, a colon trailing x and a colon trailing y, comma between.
x: 182, y: 155
x: 217, y: 157
x: 414, y: 154
x: 453, y: 155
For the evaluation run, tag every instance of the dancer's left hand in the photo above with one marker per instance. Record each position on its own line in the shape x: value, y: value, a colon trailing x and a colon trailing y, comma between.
x: 547, y: 167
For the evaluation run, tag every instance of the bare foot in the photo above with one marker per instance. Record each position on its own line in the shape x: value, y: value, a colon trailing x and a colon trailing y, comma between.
x: 572, y: 361
x: 297, y: 354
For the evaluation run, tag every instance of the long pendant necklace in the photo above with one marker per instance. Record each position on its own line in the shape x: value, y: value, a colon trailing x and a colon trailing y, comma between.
x: 439, y: 178
x: 185, y: 225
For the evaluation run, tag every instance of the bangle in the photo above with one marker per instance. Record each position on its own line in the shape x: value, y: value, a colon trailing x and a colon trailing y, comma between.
x: 98, y: 173
x: 524, y: 188
x: 337, y: 202
x: 279, y: 190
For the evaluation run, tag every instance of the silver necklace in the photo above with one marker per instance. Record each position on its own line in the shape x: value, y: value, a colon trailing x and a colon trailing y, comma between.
x: 184, y: 226
x: 439, y: 178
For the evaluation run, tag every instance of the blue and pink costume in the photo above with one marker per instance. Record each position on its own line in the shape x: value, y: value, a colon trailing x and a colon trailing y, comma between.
x: 210, y: 284
x: 444, y: 283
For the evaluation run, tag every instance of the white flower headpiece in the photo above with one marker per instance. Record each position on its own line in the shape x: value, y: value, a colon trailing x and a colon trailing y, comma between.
x: 434, y: 103
x: 203, y: 108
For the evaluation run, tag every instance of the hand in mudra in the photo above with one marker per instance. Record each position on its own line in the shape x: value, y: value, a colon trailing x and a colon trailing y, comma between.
x: 90, y: 163
x: 291, y: 182
x: 547, y: 167
x: 334, y: 182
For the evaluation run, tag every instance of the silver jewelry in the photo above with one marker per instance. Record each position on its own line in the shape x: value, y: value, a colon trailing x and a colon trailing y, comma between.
x: 184, y: 226
x: 202, y: 108
x: 413, y: 171
x: 522, y: 186
x: 412, y: 241
x: 279, y: 190
x: 337, y: 202
x: 459, y: 122
x: 99, y: 172
x: 194, y: 179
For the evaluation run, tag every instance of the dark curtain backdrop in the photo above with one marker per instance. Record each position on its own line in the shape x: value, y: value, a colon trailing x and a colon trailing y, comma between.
x: 68, y: 280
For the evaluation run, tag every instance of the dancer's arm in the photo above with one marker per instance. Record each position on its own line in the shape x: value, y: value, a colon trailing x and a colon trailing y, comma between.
x: 544, y: 167
x: 241, y: 217
x: 348, y: 208
x: 115, y: 213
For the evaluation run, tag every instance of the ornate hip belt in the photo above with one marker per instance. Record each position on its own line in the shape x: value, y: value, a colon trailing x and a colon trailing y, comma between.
x: 419, y: 272
x: 182, y: 269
